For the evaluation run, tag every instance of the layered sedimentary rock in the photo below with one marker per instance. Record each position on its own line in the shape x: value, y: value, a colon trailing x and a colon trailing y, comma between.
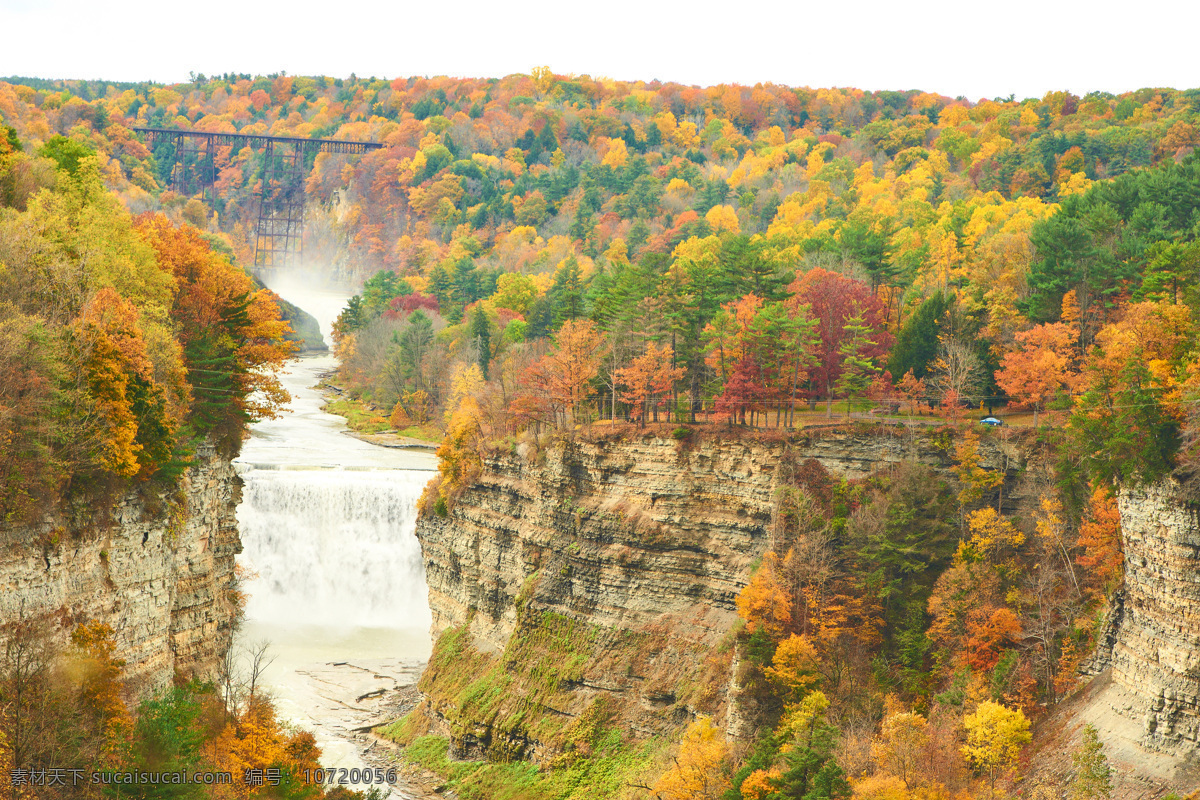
x: 646, y: 541
x: 160, y: 573
x: 1156, y: 652
x: 613, y: 530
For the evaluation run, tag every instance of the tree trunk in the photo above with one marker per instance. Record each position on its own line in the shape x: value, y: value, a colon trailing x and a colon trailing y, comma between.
x: 792, y: 410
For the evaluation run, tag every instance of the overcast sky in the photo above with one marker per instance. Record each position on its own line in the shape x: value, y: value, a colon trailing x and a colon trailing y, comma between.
x: 975, y: 49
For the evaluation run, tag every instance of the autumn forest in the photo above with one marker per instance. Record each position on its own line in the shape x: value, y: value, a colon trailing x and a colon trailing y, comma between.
x: 544, y: 256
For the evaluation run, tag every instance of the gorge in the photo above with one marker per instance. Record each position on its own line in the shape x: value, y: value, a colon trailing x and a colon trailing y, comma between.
x: 336, y: 587
x: 716, y: 512
x: 609, y: 564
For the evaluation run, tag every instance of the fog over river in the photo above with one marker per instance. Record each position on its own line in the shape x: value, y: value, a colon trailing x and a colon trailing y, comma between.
x: 328, y: 530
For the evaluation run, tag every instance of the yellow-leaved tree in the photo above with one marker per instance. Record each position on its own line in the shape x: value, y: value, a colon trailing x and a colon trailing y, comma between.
x: 995, y: 736
x: 698, y: 770
x: 723, y: 218
x: 795, y: 668
x: 459, y: 460
x: 764, y: 602
x: 903, y: 739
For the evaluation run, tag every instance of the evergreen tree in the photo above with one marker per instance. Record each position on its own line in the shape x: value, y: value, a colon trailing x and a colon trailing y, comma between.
x: 639, y: 232
x: 415, y: 343
x: 917, y: 343
x: 566, y: 294
x: 858, y: 369
x: 868, y: 240
x: 352, y: 317
x: 167, y: 738
x: 744, y: 270
x: 591, y: 200
x: 540, y: 318
x: 483, y: 339
x: 440, y: 285
x: 811, y: 773
x: 582, y: 226
x: 464, y: 281
x: 1093, y: 775
x: 379, y: 289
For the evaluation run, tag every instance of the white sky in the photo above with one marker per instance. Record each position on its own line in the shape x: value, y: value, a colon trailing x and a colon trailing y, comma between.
x: 965, y: 47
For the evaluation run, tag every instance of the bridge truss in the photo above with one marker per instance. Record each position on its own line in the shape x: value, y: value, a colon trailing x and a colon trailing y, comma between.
x: 279, y: 232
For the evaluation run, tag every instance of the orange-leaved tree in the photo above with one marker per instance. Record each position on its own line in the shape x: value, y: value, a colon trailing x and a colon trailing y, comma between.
x: 561, y: 378
x: 764, y: 602
x: 1100, y: 538
x: 231, y: 333
x: 1040, y: 367
x: 648, y: 377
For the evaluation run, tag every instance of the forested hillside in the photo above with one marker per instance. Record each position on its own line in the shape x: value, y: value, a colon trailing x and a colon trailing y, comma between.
x: 672, y: 215
x: 123, y: 339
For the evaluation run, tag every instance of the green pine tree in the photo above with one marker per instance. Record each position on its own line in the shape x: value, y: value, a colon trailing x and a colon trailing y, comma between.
x: 481, y: 333
x: 857, y: 370
x: 1093, y: 775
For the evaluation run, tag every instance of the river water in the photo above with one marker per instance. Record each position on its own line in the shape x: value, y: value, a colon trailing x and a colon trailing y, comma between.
x: 337, y: 587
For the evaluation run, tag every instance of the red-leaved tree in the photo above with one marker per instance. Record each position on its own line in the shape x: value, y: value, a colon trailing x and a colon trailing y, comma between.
x: 834, y: 300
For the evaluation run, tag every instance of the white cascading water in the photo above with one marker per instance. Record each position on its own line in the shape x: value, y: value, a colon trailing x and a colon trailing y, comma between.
x: 336, y: 583
x: 334, y: 547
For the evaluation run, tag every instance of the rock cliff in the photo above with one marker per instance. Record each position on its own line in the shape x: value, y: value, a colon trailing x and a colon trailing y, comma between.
x: 1143, y: 696
x: 1156, y: 654
x: 634, y: 548
x: 161, y: 576
x: 600, y: 577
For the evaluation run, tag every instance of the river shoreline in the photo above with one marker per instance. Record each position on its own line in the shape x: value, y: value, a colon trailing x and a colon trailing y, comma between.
x: 326, y: 523
x: 331, y: 392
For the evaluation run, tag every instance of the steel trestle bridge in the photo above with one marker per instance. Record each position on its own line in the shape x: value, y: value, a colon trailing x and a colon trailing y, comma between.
x: 279, y: 231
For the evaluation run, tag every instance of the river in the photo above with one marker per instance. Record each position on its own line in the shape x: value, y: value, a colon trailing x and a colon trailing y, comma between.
x: 337, y: 586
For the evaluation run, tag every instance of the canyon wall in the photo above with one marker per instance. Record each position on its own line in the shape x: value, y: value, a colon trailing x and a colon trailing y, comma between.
x: 1145, y: 671
x: 611, y: 567
x: 160, y: 573
x: 638, y: 545
x: 1156, y: 653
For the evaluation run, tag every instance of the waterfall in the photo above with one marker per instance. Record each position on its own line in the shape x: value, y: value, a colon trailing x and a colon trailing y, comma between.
x: 335, y: 584
x: 334, y: 547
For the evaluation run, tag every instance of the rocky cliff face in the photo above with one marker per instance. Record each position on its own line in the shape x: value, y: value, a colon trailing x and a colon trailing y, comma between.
x: 1143, y: 698
x: 643, y: 542
x: 1156, y: 653
x: 610, y: 570
x: 162, y: 577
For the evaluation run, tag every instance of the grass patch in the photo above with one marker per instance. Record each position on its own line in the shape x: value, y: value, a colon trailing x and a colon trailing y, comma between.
x: 358, y: 416
x: 426, y: 433
x: 514, y: 692
x: 608, y: 772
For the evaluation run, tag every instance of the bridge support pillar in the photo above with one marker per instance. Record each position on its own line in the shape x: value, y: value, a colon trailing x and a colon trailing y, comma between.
x: 279, y: 234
